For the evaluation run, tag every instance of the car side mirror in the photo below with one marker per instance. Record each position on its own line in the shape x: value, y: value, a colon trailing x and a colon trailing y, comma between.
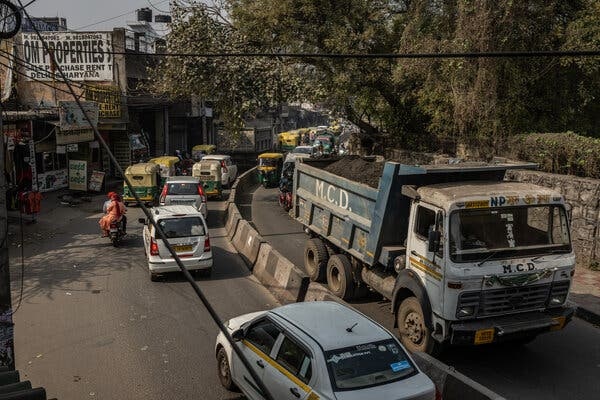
x: 238, y: 335
x: 142, y: 221
x: 434, y: 241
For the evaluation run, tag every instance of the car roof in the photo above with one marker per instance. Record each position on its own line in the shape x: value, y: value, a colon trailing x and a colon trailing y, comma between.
x: 177, y: 210
x: 326, y: 323
x: 303, y: 147
x: 215, y: 157
x: 182, y: 179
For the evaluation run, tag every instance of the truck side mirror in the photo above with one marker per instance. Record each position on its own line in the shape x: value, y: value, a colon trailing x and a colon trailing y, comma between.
x: 237, y: 335
x: 434, y: 241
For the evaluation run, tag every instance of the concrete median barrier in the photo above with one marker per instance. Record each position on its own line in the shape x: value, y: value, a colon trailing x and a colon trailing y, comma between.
x: 233, y: 218
x: 286, y: 281
x: 247, y: 241
x: 318, y: 292
x: 450, y: 383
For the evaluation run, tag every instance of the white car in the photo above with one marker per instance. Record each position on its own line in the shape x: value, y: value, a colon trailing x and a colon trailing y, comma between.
x: 319, y: 350
x: 229, y: 170
x: 187, y: 233
x: 304, y: 151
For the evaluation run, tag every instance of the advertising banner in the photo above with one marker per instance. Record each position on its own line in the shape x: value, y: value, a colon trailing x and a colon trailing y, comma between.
x: 72, y: 117
x: 96, y: 181
x: 77, y: 175
x: 81, y: 56
x: 53, y: 180
x: 108, y: 99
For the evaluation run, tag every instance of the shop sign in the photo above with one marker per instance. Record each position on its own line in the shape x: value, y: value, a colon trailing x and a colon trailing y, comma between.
x: 72, y: 148
x: 108, y: 99
x: 80, y: 56
x: 34, y: 181
x: 72, y: 116
x: 81, y: 136
x: 53, y: 180
x: 77, y: 175
x: 96, y: 181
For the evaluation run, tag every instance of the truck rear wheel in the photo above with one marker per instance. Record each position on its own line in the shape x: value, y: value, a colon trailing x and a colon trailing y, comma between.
x: 315, y: 259
x: 414, y: 333
x: 339, y: 276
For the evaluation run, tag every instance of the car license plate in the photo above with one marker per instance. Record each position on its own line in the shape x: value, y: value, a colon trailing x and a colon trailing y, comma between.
x: 182, y: 248
x: 483, y: 336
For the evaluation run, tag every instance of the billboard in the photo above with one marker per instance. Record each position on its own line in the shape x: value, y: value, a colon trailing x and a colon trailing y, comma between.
x: 108, y: 99
x: 81, y: 56
x: 72, y: 117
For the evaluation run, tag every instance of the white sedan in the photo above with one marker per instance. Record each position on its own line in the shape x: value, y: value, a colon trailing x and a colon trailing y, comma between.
x: 319, y: 350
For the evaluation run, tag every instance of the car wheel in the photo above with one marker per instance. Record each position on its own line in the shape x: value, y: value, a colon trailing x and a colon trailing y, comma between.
x: 153, y: 277
x: 203, y: 273
x: 315, y: 259
x: 339, y: 276
x: 414, y: 333
x: 224, y: 371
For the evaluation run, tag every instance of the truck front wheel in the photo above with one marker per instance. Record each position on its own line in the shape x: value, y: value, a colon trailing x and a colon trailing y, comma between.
x: 315, y: 259
x: 339, y: 276
x: 414, y: 333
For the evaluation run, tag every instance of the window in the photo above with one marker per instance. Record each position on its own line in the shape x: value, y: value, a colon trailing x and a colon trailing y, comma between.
x: 293, y: 358
x: 425, y: 221
x: 182, y: 227
x: 263, y: 335
x: 182, y: 189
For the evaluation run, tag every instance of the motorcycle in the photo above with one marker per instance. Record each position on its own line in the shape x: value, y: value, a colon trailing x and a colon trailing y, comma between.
x: 285, y: 200
x: 116, y: 233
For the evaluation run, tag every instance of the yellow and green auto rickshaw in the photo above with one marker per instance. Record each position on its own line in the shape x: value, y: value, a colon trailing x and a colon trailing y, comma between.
x: 145, y: 179
x: 288, y: 141
x: 202, y: 150
x: 209, y: 173
x: 269, y: 169
x: 168, y: 167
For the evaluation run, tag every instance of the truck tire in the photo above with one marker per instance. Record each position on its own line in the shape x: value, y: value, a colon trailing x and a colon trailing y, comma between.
x: 315, y: 259
x: 414, y: 334
x: 339, y: 276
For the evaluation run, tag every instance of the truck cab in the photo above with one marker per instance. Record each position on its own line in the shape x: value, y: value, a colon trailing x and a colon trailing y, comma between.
x: 494, y: 259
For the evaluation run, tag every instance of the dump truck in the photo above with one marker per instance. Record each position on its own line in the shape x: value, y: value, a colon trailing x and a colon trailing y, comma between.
x: 463, y: 256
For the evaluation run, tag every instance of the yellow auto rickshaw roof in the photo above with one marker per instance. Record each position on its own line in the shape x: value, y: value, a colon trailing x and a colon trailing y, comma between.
x: 165, y: 160
x: 142, y: 168
x: 271, y: 155
x: 204, y: 147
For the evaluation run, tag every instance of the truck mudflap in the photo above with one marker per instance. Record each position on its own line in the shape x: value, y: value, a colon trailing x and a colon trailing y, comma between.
x: 510, y: 327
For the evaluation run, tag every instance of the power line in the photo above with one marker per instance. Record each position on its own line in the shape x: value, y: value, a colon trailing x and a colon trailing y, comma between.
x: 115, y: 17
x: 158, y: 229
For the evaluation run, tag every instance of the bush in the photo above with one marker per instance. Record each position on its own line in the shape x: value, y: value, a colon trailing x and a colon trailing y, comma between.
x: 560, y: 153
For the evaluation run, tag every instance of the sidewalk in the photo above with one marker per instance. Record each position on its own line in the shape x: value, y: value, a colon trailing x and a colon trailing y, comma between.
x: 585, y: 294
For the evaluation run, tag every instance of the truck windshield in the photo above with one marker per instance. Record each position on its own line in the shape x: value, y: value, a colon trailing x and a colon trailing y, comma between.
x: 495, y: 233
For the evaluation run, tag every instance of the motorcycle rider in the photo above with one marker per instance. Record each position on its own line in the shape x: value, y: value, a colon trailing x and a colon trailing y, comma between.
x: 115, y: 211
x: 105, y: 210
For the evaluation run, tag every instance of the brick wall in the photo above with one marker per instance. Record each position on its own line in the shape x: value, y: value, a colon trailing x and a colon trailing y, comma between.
x: 584, y: 196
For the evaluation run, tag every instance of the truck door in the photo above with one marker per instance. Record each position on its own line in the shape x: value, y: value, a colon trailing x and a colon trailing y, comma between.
x: 427, y: 265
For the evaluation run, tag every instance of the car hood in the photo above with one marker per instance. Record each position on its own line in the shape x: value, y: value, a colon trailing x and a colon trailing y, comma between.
x: 235, y: 323
x: 418, y: 387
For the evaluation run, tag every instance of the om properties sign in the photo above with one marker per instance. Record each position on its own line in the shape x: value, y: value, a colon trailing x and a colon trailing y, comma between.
x: 81, y: 56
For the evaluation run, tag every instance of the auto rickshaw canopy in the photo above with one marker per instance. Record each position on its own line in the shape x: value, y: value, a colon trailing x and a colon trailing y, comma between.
x: 271, y: 155
x: 167, y: 161
x: 143, y: 174
x: 206, y: 148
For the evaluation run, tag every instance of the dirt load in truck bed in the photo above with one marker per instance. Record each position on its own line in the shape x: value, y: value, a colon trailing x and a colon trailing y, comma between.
x: 356, y: 168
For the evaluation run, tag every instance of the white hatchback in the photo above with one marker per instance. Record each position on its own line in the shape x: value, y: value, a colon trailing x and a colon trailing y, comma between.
x: 187, y: 233
x: 229, y: 170
x: 319, y: 350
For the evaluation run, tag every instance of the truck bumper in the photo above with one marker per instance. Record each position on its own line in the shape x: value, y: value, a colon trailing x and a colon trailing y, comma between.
x: 510, y: 327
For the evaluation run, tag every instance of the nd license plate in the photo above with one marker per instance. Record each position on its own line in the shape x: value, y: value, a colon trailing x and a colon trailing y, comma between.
x: 484, y: 336
x: 182, y: 248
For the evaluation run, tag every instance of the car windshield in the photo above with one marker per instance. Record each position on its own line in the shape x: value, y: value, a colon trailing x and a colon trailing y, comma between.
x: 185, y: 188
x: 370, y: 364
x: 491, y: 233
x: 182, y: 227
x: 303, y: 150
x: 267, y: 162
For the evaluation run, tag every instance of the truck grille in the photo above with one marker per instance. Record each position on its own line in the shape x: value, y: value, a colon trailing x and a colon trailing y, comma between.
x: 511, y: 299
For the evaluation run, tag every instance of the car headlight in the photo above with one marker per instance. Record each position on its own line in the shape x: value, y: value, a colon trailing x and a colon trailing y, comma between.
x: 556, y: 300
x: 466, y: 311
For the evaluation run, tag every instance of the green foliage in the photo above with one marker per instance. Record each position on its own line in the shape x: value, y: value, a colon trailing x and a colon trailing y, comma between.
x: 561, y: 153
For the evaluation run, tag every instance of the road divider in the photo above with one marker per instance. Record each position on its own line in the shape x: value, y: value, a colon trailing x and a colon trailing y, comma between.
x: 247, y: 241
x: 287, y: 282
x: 233, y: 218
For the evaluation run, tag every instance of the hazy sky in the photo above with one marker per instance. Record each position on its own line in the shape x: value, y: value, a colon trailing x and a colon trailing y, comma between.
x: 80, y: 13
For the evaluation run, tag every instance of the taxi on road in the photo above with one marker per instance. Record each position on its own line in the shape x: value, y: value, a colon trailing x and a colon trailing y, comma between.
x: 319, y: 350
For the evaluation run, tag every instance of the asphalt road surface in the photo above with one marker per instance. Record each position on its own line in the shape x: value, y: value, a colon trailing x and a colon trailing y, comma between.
x: 556, y: 366
x: 93, y: 326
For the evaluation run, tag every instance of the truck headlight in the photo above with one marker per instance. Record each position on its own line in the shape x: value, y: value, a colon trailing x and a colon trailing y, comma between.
x: 556, y: 300
x: 466, y: 311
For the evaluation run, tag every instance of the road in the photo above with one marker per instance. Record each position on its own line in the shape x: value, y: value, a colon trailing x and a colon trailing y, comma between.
x: 556, y: 366
x: 93, y: 326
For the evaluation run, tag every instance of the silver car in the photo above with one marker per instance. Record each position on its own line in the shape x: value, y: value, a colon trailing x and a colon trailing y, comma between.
x: 184, y: 190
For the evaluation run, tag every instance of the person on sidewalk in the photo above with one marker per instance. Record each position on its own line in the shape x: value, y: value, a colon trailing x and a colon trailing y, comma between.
x: 115, y: 211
